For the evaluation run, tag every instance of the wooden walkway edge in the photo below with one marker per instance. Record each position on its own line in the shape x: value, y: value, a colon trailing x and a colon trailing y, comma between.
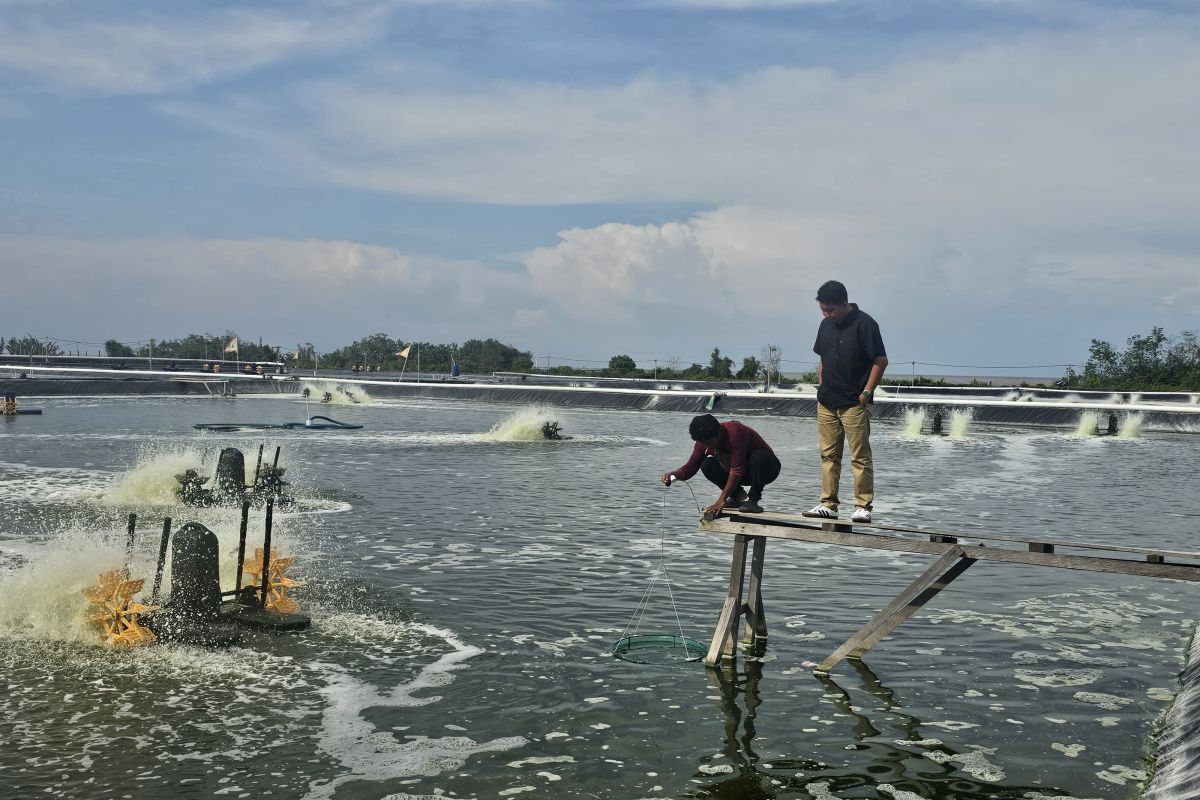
x: 956, y: 552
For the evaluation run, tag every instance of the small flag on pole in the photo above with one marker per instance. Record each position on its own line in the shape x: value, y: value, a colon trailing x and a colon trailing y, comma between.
x: 232, y: 347
x: 404, y: 353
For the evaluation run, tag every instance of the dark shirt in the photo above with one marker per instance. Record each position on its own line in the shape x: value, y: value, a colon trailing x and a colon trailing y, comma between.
x: 848, y: 349
x: 740, y: 441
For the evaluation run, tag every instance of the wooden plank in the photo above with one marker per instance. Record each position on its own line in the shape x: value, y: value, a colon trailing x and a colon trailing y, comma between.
x: 768, y: 518
x: 731, y: 611
x: 1183, y: 572
x: 894, y: 612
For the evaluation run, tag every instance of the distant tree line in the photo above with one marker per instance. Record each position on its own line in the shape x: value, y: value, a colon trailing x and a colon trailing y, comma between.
x: 379, y: 351
x: 474, y: 355
x: 1148, y: 363
x: 719, y: 367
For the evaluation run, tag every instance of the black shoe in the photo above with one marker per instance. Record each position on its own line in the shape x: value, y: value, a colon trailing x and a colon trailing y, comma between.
x: 750, y: 507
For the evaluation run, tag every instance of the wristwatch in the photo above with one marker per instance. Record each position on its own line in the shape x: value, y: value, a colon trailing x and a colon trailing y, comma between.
x: 869, y: 395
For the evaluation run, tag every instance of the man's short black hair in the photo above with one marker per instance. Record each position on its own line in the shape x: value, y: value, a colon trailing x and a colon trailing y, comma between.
x: 704, y: 427
x: 832, y: 293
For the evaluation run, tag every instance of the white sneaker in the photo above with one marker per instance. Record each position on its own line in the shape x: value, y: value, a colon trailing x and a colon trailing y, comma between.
x: 823, y: 512
x: 860, y: 515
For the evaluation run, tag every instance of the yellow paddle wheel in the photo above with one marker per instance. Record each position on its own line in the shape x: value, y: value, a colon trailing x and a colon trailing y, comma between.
x: 117, y: 614
x: 278, y: 582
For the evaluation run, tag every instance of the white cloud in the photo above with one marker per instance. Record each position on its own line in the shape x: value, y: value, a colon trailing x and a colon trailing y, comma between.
x: 730, y: 260
x: 743, y: 5
x: 61, y: 45
x: 1071, y: 129
x: 337, y: 289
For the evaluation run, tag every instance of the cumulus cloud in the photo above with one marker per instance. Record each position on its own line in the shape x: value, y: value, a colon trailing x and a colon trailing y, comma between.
x: 720, y: 262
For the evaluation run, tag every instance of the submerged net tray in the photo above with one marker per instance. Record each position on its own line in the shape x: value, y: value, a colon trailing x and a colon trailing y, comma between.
x: 658, y: 648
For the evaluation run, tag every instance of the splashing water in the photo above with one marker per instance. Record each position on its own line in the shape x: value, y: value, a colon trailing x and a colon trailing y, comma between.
x: 960, y: 420
x: 44, y: 600
x: 1131, y: 427
x: 1088, y: 421
x: 152, y: 481
x: 340, y: 394
x: 914, y: 420
x: 523, y: 426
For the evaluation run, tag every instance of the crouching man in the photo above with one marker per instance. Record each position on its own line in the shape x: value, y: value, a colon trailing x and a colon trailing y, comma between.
x: 731, y: 455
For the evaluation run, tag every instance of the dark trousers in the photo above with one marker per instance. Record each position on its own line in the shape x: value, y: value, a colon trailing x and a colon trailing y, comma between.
x: 761, y: 468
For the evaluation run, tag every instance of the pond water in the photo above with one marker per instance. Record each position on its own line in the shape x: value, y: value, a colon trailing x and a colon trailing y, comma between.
x: 467, y: 580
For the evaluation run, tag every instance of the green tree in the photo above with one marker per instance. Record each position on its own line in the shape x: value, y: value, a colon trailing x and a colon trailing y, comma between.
x: 751, y: 368
x: 114, y: 349
x: 29, y: 346
x: 621, y: 366
x: 1148, y: 363
x: 718, y: 366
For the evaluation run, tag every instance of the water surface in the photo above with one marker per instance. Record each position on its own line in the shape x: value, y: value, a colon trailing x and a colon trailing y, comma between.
x: 468, y: 579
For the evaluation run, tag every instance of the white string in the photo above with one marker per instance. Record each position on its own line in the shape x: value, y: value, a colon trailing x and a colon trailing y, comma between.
x: 635, y: 621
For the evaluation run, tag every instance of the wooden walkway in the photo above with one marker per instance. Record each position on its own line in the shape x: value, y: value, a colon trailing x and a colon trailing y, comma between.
x: 956, y: 551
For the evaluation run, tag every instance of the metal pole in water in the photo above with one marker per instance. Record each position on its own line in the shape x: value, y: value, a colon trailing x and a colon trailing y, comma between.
x: 162, y: 560
x: 129, y: 542
x: 258, y: 465
x: 266, y: 560
x: 237, y: 576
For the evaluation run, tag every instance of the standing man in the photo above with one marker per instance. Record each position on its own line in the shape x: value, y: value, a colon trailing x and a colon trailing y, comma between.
x: 852, y: 361
x: 731, y: 455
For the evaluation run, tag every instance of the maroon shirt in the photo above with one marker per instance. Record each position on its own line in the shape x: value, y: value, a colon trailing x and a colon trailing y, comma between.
x: 742, y: 441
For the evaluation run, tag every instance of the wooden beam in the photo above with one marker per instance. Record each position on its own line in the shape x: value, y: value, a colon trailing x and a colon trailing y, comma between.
x: 774, y: 518
x: 1182, y: 572
x: 913, y: 597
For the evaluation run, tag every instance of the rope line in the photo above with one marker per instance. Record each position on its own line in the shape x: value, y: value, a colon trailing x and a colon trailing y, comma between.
x: 661, y: 571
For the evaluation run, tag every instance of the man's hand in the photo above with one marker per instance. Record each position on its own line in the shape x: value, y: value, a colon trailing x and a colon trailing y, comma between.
x: 712, y: 511
x: 667, y: 478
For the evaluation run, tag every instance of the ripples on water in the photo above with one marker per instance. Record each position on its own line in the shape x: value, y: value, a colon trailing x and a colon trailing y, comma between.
x: 467, y: 579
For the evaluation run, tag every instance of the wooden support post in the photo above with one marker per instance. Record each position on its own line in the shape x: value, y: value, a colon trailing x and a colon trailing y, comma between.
x: 915, y: 595
x: 756, y: 617
x: 725, y: 636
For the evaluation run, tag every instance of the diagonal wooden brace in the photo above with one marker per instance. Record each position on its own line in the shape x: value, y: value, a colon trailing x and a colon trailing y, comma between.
x: 914, y: 596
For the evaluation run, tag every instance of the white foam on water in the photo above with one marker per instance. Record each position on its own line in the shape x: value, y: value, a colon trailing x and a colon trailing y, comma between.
x: 37, y: 485
x: 366, y: 753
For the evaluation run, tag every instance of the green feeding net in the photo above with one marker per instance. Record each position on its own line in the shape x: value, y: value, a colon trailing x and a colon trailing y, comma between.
x: 657, y: 648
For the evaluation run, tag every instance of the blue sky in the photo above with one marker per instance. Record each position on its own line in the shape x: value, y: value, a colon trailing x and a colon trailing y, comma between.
x: 997, y: 181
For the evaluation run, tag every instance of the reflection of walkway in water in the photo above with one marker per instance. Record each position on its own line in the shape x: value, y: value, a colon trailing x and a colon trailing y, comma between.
x: 903, y: 763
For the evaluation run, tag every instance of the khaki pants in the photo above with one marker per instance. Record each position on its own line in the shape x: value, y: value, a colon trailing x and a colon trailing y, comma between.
x: 853, y: 424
